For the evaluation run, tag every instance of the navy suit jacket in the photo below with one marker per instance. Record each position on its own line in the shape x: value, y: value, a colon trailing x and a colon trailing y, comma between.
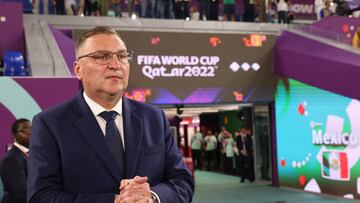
x: 69, y: 159
x: 248, y: 145
x: 14, y: 175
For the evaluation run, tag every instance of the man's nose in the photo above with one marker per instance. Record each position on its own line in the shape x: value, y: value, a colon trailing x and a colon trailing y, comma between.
x: 115, y: 62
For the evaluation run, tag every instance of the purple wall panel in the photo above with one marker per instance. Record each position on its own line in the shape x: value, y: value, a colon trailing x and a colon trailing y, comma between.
x: 66, y: 46
x: 57, y: 89
x: 11, y: 27
x: 338, y: 28
x: 317, y: 64
x: 335, y: 23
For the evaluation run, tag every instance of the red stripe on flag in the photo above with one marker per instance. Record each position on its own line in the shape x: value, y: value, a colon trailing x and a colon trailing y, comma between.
x: 344, y: 165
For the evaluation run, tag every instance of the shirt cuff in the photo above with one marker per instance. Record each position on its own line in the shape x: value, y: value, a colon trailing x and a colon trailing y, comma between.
x: 155, y: 197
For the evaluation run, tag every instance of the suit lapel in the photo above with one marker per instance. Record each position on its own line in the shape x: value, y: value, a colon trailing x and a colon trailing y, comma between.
x: 133, y: 133
x: 92, y: 134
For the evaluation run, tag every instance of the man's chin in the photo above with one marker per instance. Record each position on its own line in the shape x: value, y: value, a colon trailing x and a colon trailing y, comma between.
x: 116, y: 92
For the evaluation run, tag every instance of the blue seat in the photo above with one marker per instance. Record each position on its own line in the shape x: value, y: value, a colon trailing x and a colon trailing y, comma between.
x: 14, y: 64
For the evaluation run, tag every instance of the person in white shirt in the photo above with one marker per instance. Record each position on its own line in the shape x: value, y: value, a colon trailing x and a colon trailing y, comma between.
x: 282, y: 11
x: 319, y: 5
x: 210, y: 149
x: 229, y: 152
x: 196, y: 143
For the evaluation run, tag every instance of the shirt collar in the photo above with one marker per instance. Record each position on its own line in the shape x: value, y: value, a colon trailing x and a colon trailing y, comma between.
x: 97, y: 108
x: 21, y: 147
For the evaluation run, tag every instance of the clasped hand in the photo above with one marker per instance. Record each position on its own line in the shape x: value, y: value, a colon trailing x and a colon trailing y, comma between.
x: 136, y: 190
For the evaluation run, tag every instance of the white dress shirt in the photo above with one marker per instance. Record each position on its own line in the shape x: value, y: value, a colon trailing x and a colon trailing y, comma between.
x: 22, y: 148
x: 97, y: 109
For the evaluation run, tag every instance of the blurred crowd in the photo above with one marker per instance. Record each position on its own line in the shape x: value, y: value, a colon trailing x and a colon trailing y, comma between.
x: 226, y: 10
x: 231, y: 154
x: 274, y: 11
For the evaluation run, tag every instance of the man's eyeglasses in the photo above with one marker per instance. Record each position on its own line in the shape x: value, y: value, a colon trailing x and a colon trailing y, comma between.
x: 105, y: 57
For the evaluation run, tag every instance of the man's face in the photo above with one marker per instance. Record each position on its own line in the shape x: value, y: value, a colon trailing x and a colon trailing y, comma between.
x: 102, y: 80
x: 23, y: 132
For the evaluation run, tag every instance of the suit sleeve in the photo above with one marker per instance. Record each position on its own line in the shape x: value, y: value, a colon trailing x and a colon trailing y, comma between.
x: 44, y: 169
x: 14, y: 177
x: 177, y: 185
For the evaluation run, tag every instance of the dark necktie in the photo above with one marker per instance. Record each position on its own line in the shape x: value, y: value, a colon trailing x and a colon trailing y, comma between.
x: 113, y: 139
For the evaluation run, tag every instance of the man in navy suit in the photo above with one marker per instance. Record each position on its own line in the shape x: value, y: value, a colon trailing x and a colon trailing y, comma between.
x: 14, y: 166
x: 246, y: 157
x: 71, y: 158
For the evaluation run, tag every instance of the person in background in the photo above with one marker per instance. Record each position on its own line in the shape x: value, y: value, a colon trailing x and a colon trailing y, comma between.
x: 282, y: 10
x: 59, y: 7
x: 319, y: 5
x: 147, y: 8
x: 249, y: 13
x: 213, y: 10
x: 219, y: 149
x: 194, y: 14
x: 229, y: 152
x: 210, y: 147
x: 271, y: 12
x: 246, y: 158
x: 91, y: 7
x: 101, y: 147
x: 196, y: 143
x: 203, y: 6
x: 291, y: 17
x: 326, y: 10
x: 229, y: 10
x: 355, y: 40
x: 80, y: 8
x: 104, y: 7
x: 45, y: 3
x: 69, y: 7
x: 116, y: 7
x: 14, y: 165
x: 181, y: 9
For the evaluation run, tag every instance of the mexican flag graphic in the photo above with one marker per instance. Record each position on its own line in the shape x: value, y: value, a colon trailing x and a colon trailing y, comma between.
x: 335, y: 166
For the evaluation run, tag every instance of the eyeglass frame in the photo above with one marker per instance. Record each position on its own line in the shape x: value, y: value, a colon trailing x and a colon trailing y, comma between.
x: 129, y: 56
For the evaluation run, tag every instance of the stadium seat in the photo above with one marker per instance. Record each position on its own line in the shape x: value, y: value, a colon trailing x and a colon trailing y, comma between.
x: 14, y: 64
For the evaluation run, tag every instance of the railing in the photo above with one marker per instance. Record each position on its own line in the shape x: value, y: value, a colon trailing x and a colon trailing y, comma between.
x: 338, y: 37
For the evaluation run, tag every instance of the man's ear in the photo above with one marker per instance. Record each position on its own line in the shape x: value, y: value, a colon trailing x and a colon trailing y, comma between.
x: 77, y: 70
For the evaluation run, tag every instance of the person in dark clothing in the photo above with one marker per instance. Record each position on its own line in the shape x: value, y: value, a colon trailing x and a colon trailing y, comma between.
x: 181, y: 9
x: 99, y: 143
x: 204, y: 9
x: 214, y: 10
x: 249, y: 11
x: 246, y: 157
x: 60, y: 7
x: 14, y: 164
